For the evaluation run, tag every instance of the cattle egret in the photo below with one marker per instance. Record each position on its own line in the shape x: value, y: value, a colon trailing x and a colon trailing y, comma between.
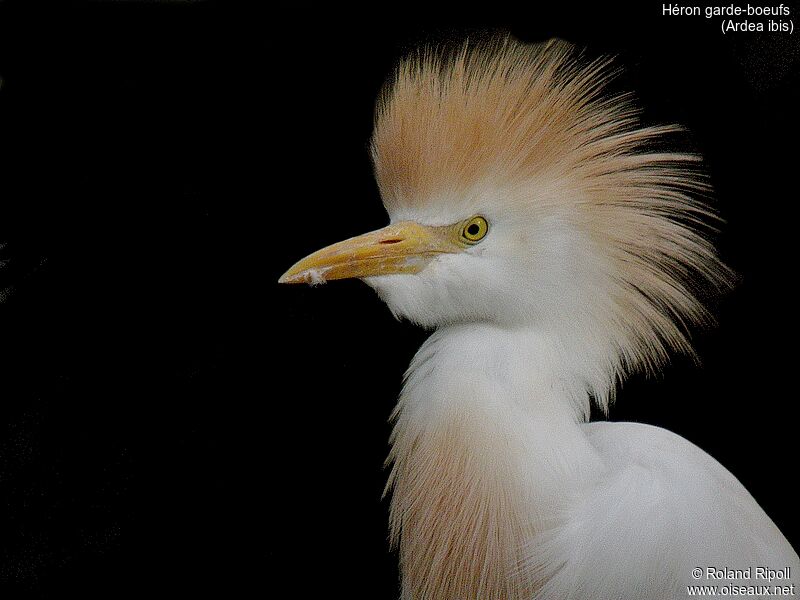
x: 555, y: 244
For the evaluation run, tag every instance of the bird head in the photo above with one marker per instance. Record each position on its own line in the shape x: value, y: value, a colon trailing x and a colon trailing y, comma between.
x: 522, y: 193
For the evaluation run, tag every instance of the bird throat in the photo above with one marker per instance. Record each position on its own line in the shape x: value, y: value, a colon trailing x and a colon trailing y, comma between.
x: 470, y: 482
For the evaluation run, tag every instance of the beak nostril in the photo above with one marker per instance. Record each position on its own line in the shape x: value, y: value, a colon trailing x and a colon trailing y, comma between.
x: 392, y: 241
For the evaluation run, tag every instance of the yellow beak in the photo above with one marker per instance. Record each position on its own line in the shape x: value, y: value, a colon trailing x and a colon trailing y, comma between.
x: 404, y: 247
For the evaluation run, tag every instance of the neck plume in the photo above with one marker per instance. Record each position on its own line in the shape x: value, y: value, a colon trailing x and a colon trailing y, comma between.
x: 476, y: 400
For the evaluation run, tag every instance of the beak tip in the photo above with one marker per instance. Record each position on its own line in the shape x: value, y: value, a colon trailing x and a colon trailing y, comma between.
x: 290, y: 277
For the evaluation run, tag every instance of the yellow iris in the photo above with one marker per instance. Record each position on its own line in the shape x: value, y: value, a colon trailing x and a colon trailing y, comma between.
x: 475, y: 229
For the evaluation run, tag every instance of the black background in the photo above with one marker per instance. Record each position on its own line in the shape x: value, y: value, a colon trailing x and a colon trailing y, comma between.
x: 173, y: 421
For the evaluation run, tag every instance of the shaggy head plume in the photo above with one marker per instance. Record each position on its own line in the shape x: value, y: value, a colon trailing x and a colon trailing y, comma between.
x: 533, y: 131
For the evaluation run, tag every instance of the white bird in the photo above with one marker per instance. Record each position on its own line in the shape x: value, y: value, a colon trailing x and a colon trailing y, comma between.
x: 555, y: 246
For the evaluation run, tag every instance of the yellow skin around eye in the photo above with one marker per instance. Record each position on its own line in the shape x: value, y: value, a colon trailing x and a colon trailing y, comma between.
x: 474, y: 230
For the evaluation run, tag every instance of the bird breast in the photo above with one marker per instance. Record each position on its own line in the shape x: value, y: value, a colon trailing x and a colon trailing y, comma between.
x: 457, y: 517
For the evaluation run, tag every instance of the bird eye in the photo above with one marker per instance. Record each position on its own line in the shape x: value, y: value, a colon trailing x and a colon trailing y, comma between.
x: 475, y: 230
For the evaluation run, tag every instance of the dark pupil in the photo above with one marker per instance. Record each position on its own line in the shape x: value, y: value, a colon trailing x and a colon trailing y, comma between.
x: 473, y: 229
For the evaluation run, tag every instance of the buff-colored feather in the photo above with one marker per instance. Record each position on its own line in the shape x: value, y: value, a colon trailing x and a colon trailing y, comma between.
x: 537, y: 124
x: 514, y: 115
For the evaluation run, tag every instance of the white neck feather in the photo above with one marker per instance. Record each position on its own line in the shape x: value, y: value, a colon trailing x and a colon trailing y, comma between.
x: 487, y: 444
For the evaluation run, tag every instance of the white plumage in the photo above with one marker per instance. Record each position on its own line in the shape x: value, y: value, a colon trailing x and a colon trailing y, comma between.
x: 555, y: 246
